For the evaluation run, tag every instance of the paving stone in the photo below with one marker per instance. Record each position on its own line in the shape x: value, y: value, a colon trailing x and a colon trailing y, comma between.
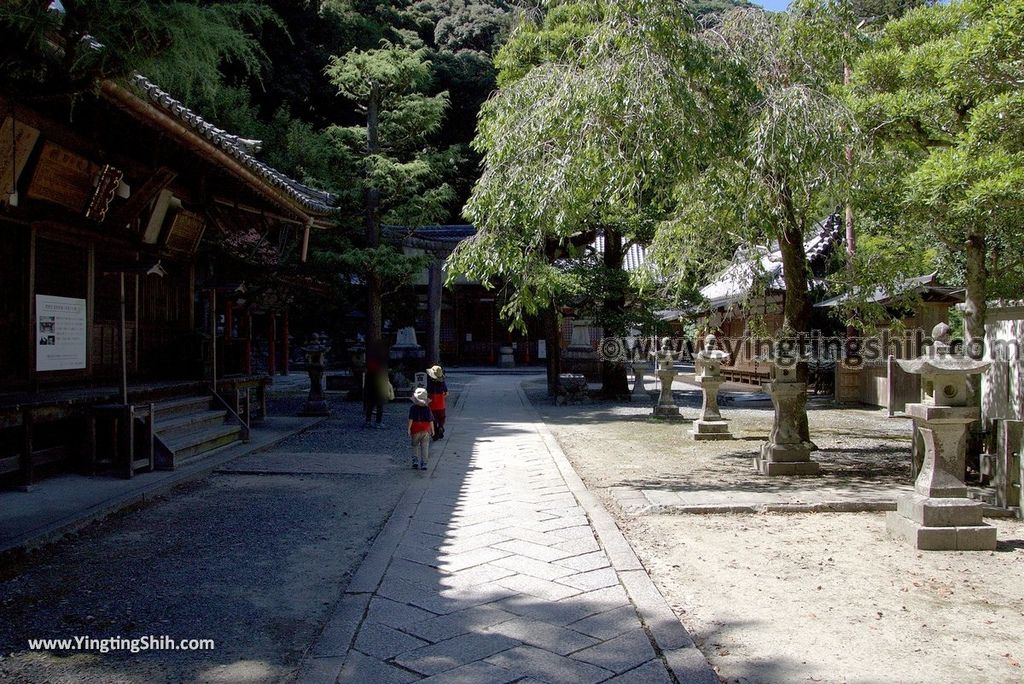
x: 608, y: 624
x: 651, y: 672
x: 475, y: 673
x: 533, y: 568
x: 548, y: 666
x: 473, y: 619
x: 542, y: 538
x: 460, y: 650
x: 594, y: 579
x: 574, y: 532
x: 535, y: 551
x: 588, y: 561
x: 460, y: 545
x: 477, y: 575
x: 549, y: 591
x: 393, y: 614
x: 383, y: 642
x: 619, y: 654
x: 468, y: 559
x: 417, y: 573
x: 364, y: 669
x: 544, y: 635
x: 577, y: 547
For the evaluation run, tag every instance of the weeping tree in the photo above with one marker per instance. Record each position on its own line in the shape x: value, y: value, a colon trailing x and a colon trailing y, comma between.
x: 787, y: 166
x: 398, y: 174
x: 602, y: 107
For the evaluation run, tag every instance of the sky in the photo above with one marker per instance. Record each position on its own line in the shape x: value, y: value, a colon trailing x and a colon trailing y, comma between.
x: 777, y: 5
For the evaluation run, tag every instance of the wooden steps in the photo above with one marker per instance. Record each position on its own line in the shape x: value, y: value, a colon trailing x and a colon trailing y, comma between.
x: 188, y: 427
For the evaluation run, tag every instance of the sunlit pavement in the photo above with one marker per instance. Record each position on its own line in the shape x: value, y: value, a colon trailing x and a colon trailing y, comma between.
x: 499, y: 566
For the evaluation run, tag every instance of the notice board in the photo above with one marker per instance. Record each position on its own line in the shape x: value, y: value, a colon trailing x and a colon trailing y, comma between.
x: 61, y: 326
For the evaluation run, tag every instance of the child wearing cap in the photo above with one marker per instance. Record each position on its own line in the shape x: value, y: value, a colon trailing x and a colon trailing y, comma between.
x: 438, y: 390
x: 421, y: 428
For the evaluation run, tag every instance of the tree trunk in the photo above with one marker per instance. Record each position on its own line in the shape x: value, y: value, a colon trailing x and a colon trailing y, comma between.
x: 553, y: 340
x: 613, y: 372
x: 977, y: 285
x: 797, y: 311
x: 374, y: 324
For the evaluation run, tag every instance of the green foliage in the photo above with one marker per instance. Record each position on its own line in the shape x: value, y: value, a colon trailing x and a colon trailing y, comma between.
x: 941, y: 91
x: 602, y: 107
x: 183, y: 44
x: 787, y: 165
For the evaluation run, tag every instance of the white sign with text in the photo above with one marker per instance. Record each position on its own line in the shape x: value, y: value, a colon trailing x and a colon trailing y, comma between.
x: 61, y: 325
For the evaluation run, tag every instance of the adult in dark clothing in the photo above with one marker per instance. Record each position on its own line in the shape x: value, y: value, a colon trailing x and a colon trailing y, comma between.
x: 374, y: 385
x: 437, y: 390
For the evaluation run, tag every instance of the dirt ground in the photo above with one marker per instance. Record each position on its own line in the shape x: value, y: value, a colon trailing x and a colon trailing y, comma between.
x: 815, y: 597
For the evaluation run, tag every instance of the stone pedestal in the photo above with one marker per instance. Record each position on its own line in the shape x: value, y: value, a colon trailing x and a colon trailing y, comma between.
x: 639, y: 392
x: 785, y: 453
x: 506, y: 359
x: 708, y: 367
x: 938, y: 516
x: 579, y: 357
x: 316, y: 402
x: 710, y: 425
x: 666, y: 406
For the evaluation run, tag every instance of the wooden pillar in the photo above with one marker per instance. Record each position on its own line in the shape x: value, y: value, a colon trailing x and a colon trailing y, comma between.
x: 271, y: 343
x: 434, y: 283
x: 212, y: 306
x: 247, y: 345
x: 285, y: 346
x: 229, y: 321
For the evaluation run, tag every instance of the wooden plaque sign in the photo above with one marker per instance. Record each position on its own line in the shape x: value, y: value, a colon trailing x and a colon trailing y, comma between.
x: 63, y: 178
x: 14, y: 152
x: 103, y: 195
x: 186, y: 231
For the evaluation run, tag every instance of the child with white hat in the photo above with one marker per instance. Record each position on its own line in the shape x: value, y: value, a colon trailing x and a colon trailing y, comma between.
x: 421, y: 428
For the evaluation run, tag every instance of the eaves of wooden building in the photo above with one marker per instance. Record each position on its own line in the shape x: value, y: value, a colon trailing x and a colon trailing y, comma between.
x: 129, y: 186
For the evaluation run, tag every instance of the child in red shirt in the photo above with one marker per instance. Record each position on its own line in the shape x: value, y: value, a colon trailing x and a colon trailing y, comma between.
x: 421, y: 428
x: 438, y: 390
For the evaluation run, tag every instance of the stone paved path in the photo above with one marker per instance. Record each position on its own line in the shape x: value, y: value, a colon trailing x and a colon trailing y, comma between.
x: 499, y: 566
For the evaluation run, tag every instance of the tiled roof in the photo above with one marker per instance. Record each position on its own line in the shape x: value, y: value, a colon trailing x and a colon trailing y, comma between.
x: 634, y: 259
x: 242, y: 150
x: 925, y: 286
x: 734, y: 282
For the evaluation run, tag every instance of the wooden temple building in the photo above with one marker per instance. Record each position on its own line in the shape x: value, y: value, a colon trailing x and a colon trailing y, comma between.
x: 144, y: 281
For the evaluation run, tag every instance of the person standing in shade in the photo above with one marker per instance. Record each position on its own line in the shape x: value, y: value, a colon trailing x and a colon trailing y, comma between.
x: 421, y: 428
x: 438, y: 390
x: 374, y: 385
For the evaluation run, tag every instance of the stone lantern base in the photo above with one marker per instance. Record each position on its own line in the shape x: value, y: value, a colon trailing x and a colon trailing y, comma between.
x: 934, y: 524
x: 710, y: 429
x: 668, y: 413
x: 786, y: 459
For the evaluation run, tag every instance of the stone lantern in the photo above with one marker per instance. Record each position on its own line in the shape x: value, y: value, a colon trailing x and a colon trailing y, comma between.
x: 708, y: 367
x: 665, y: 369
x: 638, y: 366
x: 316, y: 353
x: 785, y: 453
x: 938, y: 516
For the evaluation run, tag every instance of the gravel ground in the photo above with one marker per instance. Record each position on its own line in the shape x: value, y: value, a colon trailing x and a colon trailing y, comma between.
x: 825, y: 597
x: 856, y: 446
x: 253, y: 561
